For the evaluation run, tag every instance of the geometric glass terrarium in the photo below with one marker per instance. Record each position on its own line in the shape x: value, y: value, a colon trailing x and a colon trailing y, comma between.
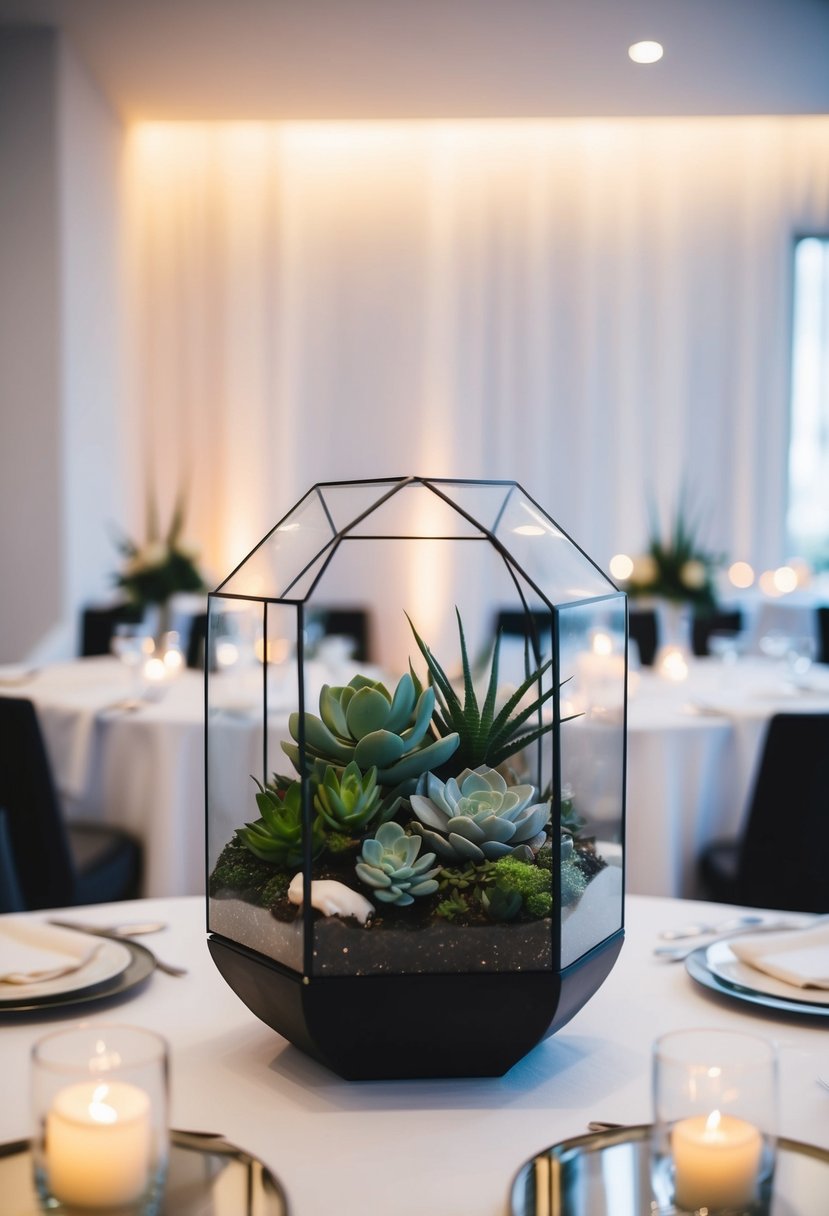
x: 415, y: 859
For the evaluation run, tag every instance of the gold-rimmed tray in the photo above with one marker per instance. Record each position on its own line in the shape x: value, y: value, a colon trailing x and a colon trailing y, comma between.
x: 607, y: 1173
x: 206, y: 1176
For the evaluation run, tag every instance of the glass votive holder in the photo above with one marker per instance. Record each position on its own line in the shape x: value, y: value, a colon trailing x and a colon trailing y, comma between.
x: 715, y: 1123
x: 101, y: 1139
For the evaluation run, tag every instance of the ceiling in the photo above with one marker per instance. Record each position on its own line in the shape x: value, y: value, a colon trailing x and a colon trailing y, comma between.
x: 199, y: 59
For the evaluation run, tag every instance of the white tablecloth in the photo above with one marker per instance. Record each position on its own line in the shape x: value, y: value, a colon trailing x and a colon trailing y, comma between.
x: 447, y: 1148
x: 693, y: 750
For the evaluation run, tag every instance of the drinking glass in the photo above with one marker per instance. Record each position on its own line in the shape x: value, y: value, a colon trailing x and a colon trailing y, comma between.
x: 99, y: 1105
x: 715, y: 1118
x: 726, y: 645
x: 800, y: 654
x: 133, y: 644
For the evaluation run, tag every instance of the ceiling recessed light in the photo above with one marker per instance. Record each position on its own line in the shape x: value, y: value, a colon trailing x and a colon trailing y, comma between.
x: 645, y: 52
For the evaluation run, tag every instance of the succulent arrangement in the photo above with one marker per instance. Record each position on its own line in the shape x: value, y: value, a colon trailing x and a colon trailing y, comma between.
x: 413, y: 802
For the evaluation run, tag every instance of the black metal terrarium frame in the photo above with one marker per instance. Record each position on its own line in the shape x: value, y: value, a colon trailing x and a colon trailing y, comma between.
x: 387, y: 1023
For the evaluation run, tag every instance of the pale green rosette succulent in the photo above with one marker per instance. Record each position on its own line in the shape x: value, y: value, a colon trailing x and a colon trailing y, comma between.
x: 364, y: 723
x: 391, y: 867
x: 478, y: 817
x: 348, y: 801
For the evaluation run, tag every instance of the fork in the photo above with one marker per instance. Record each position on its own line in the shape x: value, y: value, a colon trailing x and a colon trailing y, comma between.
x: 701, y: 929
x: 675, y: 954
x: 167, y: 968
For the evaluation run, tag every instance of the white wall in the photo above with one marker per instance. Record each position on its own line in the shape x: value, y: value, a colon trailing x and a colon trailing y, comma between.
x: 59, y: 323
x: 31, y: 476
x: 90, y: 150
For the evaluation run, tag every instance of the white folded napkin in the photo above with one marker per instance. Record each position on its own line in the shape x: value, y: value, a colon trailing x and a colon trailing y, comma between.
x: 796, y: 956
x: 31, y: 952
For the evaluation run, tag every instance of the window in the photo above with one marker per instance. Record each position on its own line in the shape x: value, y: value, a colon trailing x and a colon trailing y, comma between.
x: 808, y: 511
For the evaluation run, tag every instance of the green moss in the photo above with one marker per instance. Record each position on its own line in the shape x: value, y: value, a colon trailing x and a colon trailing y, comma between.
x: 531, y: 882
x: 256, y: 881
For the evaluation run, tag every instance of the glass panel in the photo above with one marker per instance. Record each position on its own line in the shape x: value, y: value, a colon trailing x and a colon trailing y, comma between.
x: 416, y: 511
x: 593, y: 698
x: 554, y: 564
x: 253, y: 685
x: 275, y: 566
x: 422, y: 573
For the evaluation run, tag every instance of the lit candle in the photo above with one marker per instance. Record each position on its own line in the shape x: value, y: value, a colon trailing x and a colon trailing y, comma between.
x: 716, y: 1161
x: 99, y: 1144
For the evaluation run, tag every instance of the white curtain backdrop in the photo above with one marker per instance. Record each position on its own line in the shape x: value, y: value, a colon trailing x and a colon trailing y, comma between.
x: 599, y: 310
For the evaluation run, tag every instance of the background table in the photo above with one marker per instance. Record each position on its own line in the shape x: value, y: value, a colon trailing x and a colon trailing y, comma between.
x: 447, y: 1148
x: 693, y: 750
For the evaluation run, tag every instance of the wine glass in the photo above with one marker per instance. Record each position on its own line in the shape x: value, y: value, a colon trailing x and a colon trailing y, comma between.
x: 799, y: 656
x: 133, y: 644
x: 726, y: 645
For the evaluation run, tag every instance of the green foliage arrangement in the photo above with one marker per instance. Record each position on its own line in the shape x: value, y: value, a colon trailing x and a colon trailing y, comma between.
x: 675, y: 566
x: 163, y: 565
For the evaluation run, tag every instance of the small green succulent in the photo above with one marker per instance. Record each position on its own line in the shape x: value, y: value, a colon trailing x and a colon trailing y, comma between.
x: 364, y: 723
x: 486, y: 737
x: 477, y: 816
x: 391, y: 867
x: 277, y: 836
x: 500, y: 903
x: 348, y: 800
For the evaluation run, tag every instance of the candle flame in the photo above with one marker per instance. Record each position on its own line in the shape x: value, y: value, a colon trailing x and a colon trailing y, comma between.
x: 712, y: 1123
x: 99, y: 1109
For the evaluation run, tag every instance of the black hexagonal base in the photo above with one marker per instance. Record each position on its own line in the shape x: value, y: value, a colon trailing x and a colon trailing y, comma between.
x: 384, y: 1027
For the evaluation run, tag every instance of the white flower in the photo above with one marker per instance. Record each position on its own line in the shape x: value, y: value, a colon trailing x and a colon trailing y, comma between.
x: 693, y: 574
x: 645, y: 569
x: 153, y: 554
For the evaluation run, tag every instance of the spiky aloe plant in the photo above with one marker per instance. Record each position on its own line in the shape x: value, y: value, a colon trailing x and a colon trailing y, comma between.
x: 486, y: 737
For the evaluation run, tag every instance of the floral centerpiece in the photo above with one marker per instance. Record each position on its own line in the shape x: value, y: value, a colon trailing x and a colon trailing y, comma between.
x: 675, y: 566
x: 163, y: 565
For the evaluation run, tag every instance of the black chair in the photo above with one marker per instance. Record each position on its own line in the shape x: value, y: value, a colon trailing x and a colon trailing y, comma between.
x: 354, y: 623
x: 533, y: 627
x: 98, y: 626
x: 197, y: 642
x: 706, y: 623
x: 54, y: 864
x: 823, y: 634
x: 11, y: 897
x: 782, y: 857
x: 642, y: 630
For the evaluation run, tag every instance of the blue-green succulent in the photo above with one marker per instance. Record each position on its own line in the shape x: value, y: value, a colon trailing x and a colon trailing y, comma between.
x: 391, y: 867
x: 477, y: 816
x: 364, y: 723
x: 277, y: 836
x: 348, y: 800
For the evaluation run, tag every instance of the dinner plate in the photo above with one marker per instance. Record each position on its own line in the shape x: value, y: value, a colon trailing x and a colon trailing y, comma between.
x: 109, y: 960
x: 607, y: 1173
x: 206, y: 1176
x: 140, y: 964
x: 716, y: 966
